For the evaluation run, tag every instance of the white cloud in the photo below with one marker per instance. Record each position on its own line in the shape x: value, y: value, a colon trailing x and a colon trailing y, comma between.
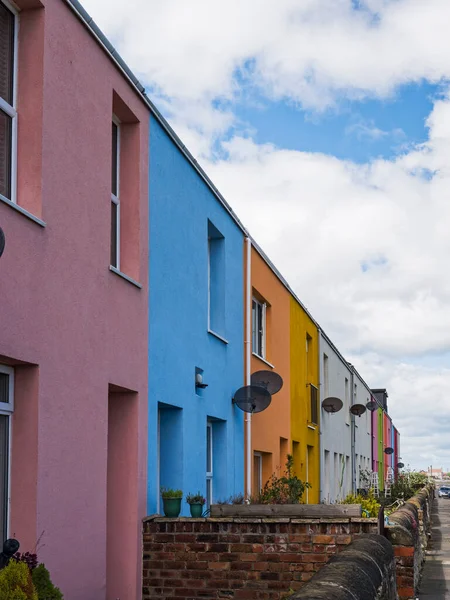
x: 365, y: 247
x: 311, y: 51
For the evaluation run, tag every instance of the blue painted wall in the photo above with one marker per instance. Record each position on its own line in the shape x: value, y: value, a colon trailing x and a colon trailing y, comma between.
x: 182, y: 212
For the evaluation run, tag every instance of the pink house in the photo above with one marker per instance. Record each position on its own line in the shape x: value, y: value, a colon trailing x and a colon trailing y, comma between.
x: 74, y: 302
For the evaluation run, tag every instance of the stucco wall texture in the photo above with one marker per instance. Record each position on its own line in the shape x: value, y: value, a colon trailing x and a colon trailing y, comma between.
x: 70, y: 326
x: 271, y: 431
x: 181, y: 207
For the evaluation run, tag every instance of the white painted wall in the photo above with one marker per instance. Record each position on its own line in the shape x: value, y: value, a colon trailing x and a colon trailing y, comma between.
x: 335, y: 439
x: 363, y: 431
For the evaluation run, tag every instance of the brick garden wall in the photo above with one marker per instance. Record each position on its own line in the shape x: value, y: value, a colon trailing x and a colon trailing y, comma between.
x: 248, y: 559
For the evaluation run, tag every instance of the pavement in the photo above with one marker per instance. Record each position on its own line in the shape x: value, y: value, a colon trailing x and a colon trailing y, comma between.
x: 435, y: 584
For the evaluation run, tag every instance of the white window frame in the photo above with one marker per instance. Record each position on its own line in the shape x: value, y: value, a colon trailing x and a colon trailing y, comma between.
x: 8, y: 409
x: 255, y: 351
x: 209, y: 474
x: 259, y: 456
x: 11, y: 111
x: 115, y: 199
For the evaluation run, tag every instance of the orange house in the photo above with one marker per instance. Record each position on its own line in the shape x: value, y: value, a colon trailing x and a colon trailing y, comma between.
x: 269, y: 334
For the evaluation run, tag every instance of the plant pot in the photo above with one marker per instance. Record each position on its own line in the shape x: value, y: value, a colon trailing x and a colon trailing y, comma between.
x: 172, y: 507
x: 196, y: 510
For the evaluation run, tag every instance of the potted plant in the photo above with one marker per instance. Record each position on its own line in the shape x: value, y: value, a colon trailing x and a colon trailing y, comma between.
x: 196, y: 503
x: 171, y: 502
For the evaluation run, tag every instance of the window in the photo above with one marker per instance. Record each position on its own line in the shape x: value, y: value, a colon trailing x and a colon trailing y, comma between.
x: 115, y: 194
x: 257, y: 472
x: 209, y: 465
x: 216, y: 280
x: 309, y: 353
x: 346, y: 404
x: 326, y: 381
x: 6, y: 409
x: 8, y: 114
x: 314, y: 408
x: 259, y: 328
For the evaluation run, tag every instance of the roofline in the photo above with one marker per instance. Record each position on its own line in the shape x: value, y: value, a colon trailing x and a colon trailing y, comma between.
x: 90, y: 24
x: 96, y: 32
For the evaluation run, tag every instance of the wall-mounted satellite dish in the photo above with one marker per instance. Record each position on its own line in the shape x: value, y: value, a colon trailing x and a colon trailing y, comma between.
x: 358, y: 409
x: 2, y: 241
x: 389, y: 450
x: 269, y: 380
x: 372, y: 405
x: 400, y: 465
x: 252, y: 398
x: 332, y: 404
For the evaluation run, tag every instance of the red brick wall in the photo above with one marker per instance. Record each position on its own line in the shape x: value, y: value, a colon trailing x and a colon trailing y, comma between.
x: 248, y: 559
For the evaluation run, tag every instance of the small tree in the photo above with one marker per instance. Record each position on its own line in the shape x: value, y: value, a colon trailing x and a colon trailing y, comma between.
x: 44, y: 586
x: 16, y: 583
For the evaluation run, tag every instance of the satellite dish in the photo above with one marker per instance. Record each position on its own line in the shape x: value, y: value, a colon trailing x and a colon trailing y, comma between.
x: 372, y: 405
x: 269, y: 380
x: 358, y: 409
x: 2, y: 241
x: 400, y: 465
x: 389, y: 450
x: 252, y: 398
x: 332, y: 405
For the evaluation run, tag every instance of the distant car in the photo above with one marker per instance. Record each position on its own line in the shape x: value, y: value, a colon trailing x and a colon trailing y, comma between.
x: 444, y: 492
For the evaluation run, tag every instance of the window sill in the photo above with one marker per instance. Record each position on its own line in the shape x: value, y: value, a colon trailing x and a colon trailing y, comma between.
x: 219, y: 337
x: 263, y: 360
x: 22, y: 211
x: 312, y: 426
x: 129, y: 279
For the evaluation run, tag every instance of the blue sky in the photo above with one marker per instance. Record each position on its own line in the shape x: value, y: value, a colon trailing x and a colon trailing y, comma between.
x: 321, y: 122
x: 351, y: 130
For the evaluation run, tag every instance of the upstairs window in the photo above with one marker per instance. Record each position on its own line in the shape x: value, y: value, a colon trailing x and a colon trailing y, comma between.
x: 115, y: 195
x: 314, y: 404
x: 8, y: 114
x: 259, y: 327
x: 216, y: 280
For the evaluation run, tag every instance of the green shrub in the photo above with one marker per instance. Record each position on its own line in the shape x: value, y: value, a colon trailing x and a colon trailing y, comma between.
x: 287, y: 489
x: 369, y: 504
x: 16, y: 583
x: 44, y: 587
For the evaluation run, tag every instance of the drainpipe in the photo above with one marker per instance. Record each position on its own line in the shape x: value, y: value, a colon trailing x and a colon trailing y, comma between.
x: 353, y: 430
x: 321, y: 397
x: 248, y: 355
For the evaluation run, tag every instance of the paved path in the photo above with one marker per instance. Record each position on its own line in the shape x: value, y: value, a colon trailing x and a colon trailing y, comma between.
x: 435, y: 583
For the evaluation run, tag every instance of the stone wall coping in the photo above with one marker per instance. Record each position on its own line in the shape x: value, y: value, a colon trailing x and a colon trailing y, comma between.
x: 160, y: 519
x: 355, y: 573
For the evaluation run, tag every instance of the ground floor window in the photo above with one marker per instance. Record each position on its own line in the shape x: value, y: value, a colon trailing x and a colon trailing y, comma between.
x: 6, y: 410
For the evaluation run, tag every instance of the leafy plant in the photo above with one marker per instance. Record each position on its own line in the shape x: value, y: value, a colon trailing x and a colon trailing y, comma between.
x: 16, y: 583
x: 29, y: 558
x: 170, y: 493
x: 195, y: 498
x: 370, y: 506
x: 43, y: 584
x: 287, y: 489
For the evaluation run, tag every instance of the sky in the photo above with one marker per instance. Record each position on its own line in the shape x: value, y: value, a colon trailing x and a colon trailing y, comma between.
x: 326, y: 126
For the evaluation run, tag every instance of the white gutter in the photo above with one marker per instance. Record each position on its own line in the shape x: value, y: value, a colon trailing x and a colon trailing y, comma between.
x: 248, y: 355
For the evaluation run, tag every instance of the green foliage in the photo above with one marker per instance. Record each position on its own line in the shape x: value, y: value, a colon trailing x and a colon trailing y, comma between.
x: 44, y: 587
x: 195, y: 498
x: 16, y: 583
x: 170, y: 493
x: 407, y: 485
x: 287, y: 489
x: 369, y: 504
x: 236, y: 499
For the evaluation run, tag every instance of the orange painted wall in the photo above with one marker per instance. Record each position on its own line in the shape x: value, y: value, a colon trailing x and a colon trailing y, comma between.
x: 271, y: 430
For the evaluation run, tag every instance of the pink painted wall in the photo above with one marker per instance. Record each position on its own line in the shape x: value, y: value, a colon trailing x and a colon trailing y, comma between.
x: 375, y: 440
x: 82, y: 327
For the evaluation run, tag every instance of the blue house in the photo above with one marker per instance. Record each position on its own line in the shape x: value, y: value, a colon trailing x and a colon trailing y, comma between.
x: 196, y: 330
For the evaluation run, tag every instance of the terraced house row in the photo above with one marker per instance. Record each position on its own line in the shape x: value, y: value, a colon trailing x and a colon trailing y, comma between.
x: 134, y: 307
